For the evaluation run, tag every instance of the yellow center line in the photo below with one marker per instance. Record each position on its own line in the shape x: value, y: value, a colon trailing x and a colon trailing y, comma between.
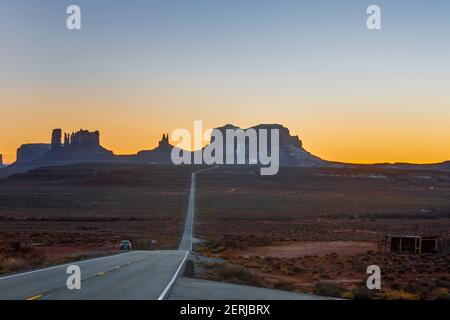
x: 36, y: 297
x: 100, y: 274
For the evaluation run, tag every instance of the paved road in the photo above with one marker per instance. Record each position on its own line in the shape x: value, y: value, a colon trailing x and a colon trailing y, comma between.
x: 131, y: 275
x: 188, y: 233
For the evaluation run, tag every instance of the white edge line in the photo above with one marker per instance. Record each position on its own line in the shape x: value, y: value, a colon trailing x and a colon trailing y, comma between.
x: 164, y: 293
x: 61, y: 266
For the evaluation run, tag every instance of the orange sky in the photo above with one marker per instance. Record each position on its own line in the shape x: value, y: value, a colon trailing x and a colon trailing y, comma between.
x: 132, y: 122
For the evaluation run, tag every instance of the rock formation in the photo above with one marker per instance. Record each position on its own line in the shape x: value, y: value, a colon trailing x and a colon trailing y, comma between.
x: 291, y: 148
x: 84, y: 146
x: 82, y: 138
x: 160, y: 154
x: 164, y: 143
x: 81, y: 146
x: 32, y: 151
x: 56, y: 139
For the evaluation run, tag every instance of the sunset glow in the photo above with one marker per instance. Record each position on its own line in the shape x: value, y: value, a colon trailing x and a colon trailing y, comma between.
x: 135, y: 73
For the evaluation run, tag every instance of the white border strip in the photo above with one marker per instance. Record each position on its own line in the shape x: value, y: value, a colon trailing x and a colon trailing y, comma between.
x: 166, y: 290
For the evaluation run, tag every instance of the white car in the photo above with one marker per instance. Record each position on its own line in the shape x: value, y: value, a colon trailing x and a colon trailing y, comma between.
x: 125, y: 245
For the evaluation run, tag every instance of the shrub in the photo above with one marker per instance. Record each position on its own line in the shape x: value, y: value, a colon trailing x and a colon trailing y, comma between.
x: 441, y: 294
x: 361, y: 294
x: 328, y: 289
x: 299, y: 270
x: 347, y: 295
x: 238, y: 274
x: 400, y: 295
x: 11, y: 265
x: 396, y: 285
x: 284, y: 285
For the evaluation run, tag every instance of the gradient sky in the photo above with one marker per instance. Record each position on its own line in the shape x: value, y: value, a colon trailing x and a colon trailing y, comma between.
x: 139, y: 68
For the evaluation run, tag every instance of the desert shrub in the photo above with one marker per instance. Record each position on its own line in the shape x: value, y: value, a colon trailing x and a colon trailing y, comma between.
x: 143, y: 244
x: 396, y: 285
x: 218, y: 250
x: 299, y: 270
x: 329, y: 289
x: 389, y: 278
x: 361, y: 294
x: 284, y: 285
x: 441, y: 294
x: 442, y: 283
x: 20, y: 246
x: 284, y: 270
x: 238, y: 274
x: 417, y: 288
x: 11, y: 265
x: 347, y: 295
x: 400, y: 295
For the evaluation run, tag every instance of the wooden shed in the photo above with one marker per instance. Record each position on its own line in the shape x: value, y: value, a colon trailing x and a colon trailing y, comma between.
x: 415, y: 244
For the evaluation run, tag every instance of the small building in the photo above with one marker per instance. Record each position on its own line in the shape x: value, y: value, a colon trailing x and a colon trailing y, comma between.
x: 415, y: 244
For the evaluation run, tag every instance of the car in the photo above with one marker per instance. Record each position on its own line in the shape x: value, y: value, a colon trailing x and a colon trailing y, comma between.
x: 125, y: 245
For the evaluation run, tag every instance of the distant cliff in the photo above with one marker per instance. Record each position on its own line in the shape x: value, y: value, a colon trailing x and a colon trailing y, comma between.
x: 84, y: 146
x: 160, y: 154
x: 80, y: 146
x: 291, y: 148
x: 30, y: 152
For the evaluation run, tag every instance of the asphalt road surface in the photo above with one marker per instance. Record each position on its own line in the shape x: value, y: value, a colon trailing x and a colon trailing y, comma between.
x: 133, y: 275
x: 188, y: 233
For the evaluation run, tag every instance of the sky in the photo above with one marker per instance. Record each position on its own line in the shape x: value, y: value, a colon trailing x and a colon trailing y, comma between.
x: 141, y: 68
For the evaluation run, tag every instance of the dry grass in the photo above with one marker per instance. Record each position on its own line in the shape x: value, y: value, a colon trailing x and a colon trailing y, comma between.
x: 9, y: 264
x: 400, y: 295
